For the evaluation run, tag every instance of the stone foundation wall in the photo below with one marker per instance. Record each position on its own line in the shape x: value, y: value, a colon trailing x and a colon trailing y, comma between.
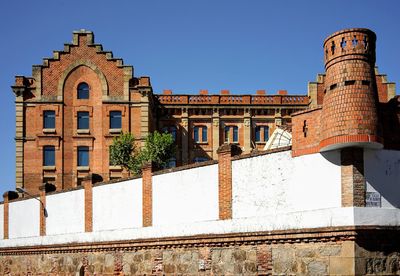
x: 325, y: 252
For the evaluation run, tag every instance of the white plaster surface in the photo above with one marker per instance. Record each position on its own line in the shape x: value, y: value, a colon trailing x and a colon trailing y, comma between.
x: 382, y: 174
x: 117, y: 206
x: 1, y: 221
x: 332, y: 217
x: 66, y: 213
x: 186, y: 196
x: 24, y: 218
x: 279, y: 183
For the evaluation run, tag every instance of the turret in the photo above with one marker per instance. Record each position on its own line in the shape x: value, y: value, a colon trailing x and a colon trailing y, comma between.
x: 349, y: 111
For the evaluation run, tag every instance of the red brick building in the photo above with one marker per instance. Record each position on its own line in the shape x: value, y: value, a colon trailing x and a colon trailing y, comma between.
x: 68, y: 112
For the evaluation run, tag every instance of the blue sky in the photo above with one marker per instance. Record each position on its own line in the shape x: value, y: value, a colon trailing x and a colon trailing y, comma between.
x: 190, y: 45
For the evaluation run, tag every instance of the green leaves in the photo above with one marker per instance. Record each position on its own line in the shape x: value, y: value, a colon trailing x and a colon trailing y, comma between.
x: 159, y: 148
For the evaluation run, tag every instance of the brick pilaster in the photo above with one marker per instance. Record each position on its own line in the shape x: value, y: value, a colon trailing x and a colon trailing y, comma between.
x: 225, y: 181
x: 352, y: 177
x: 42, y: 190
x: 87, y: 184
x: 7, y: 196
x: 147, y: 194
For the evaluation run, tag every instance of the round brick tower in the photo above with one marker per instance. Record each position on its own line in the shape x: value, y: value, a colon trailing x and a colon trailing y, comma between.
x: 349, y: 111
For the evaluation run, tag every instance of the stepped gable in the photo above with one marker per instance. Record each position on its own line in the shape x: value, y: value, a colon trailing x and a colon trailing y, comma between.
x: 48, y: 78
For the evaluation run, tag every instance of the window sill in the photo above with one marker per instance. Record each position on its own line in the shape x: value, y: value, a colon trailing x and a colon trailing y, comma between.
x: 83, y: 168
x: 115, y: 168
x: 49, y: 130
x: 83, y: 131
x: 201, y: 143
x: 49, y: 168
x: 260, y: 143
x: 115, y: 130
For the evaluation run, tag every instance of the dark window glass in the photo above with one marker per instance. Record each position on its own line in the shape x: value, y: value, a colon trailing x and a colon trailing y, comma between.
x: 49, y: 156
x: 227, y: 134
x: 49, y: 119
x: 258, y: 134
x: 235, y: 134
x: 173, y: 133
x: 115, y: 119
x: 83, y: 120
x: 266, y: 133
x: 83, y: 156
x: 200, y: 159
x: 83, y: 91
x: 196, y: 134
x: 204, y: 134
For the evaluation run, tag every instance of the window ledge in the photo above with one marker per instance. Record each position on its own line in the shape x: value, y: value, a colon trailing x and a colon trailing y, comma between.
x: 260, y: 143
x: 83, y: 131
x: 49, y: 130
x: 83, y: 168
x: 115, y: 130
x: 49, y: 168
x: 115, y: 168
x: 202, y: 143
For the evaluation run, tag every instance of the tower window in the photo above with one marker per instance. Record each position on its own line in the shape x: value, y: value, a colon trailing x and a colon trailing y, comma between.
x: 83, y: 156
x: 49, y: 119
x: 49, y: 156
x: 262, y: 133
x: 115, y: 119
x: 83, y: 120
x: 231, y: 131
x: 200, y: 134
x: 83, y: 91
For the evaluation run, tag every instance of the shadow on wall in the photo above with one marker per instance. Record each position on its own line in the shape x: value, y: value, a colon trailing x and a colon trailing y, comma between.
x: 381, y: 171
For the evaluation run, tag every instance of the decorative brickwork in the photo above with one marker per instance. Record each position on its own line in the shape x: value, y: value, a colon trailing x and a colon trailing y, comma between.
x: 350, y: 103
x: 353, y: 180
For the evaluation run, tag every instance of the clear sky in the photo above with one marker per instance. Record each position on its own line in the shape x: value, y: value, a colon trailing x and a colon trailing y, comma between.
x: 190, y: 45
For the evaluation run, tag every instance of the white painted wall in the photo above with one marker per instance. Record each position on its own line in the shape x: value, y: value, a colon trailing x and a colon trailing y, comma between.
x: 186, y: 196
x: 24, y: 218
x: 117, y: 206
x: 279, y: 183
x: 66, y: 213
x: 332, y: 217
x: 382, y: 173
x: 1, y: 221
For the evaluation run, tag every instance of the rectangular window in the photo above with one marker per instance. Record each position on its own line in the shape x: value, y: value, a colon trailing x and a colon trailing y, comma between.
x: 83, y: 120
x: 261, y: 133
x: 226, y: 132
x: 258, y: 134
x: 266, y: 133
x: 235, y: 134
x: 49, y: 119
x: 83, y: 156
x: 204, y: 134
x: 115, y: 119
x: 49, y: 156
x: 196, y: 135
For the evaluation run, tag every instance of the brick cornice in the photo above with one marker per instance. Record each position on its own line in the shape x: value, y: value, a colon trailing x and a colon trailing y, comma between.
x: 315, y: 235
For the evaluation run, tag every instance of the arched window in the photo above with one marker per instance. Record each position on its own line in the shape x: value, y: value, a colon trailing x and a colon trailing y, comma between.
x: 83, y: 91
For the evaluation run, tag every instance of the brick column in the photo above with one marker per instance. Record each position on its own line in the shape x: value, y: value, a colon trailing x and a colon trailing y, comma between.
x: 87, y: 184
x: 42, y: 190
x: 7, y: 196
x: 147, y: 194
x: 352, y: 177
x: 225, y: 181
x: 185, y: 137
